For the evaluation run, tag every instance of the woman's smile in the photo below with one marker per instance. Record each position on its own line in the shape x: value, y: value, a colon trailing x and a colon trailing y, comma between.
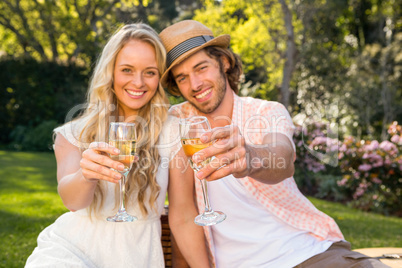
x: 136, y: 94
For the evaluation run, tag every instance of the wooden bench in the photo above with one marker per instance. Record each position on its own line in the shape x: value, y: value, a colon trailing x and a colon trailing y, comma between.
x: 379, y: 252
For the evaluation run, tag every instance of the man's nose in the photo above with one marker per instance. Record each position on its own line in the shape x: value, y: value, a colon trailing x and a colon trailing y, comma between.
x: 195, y: 82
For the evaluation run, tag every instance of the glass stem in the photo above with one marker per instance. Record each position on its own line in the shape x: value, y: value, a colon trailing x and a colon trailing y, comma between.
x: 204, y: 187
x: 122, y: 182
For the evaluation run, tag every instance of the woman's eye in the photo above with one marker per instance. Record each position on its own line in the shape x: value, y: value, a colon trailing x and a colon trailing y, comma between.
x: 126, y: 70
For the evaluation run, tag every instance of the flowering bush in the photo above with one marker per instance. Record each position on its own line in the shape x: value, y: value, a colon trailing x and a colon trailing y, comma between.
x: 314, y: 146
x: 314, y: 149
x: 369, y: 173
x: 372, y: 172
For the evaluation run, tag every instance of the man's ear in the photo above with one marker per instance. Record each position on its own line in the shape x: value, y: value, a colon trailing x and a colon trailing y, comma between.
x: 225, y: 63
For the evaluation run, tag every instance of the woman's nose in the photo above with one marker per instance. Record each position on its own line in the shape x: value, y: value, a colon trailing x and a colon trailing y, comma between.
x: 138, y: 80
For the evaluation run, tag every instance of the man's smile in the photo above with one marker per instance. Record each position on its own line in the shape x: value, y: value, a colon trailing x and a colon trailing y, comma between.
x: 203, y: 94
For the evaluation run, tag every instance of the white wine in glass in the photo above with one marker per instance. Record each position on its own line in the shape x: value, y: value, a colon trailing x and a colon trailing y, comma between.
x: 191, y: 130
x: 123, y: 136
x: 190, y: 147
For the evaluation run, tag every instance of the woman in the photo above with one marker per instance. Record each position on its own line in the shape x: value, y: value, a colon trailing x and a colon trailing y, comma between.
x: 124, y: 87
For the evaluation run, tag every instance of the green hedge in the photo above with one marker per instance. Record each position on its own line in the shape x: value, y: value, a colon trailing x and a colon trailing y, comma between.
x: 34, y: 95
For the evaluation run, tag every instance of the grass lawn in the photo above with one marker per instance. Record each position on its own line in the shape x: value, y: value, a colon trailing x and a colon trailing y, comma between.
x: 29, y: 202
x: 363, y: 229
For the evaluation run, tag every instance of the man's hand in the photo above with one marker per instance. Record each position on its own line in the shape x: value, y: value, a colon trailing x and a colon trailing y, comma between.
x: 229, y: 152
x: 269, y: 163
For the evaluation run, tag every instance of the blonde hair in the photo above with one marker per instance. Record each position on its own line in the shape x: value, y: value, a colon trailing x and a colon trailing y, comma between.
x: 103, y: 107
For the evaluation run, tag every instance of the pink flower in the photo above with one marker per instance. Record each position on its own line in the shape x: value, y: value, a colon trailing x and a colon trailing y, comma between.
x: 365, y: 167
x: 342, y: 182
x: 388, y: 147
x: 395, y: 139
x: 356, y: 175
x: 349, y: 139
x: 343, y: 148
x: 359, y: 192
x: 349, y: 151
x: 372, y: 146
x: 377, y: 180
x: 316, y: 169
x: 378, y: 163
x: 393, y: 128
x: 317, y: 133
x: 375, y: 159
x: 319, y: 140
x: 300, y: 143
x: 334, y: 147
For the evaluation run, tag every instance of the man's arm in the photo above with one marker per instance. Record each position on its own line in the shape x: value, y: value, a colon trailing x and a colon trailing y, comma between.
x: 270, y: 162
x: 274, y: 162
x: 182, y: 211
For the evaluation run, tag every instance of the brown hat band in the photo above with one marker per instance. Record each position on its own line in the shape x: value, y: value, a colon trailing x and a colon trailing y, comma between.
x: 185, y: 46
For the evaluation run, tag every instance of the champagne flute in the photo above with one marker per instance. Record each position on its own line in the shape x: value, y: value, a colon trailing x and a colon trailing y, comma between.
x: 191, y: 130
x: 123, y: 136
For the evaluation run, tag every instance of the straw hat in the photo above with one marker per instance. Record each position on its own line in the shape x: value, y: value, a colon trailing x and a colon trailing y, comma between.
x: 185, y: 38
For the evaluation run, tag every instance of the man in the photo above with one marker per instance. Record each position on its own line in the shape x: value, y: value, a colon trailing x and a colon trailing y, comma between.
x: 269, y: 222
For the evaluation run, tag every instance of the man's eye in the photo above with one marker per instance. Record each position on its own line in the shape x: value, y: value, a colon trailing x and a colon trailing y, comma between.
x: 180, y: 79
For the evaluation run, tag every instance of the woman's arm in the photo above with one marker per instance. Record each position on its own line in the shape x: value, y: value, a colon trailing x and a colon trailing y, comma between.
x: 182, y: 211
x: 78, y: 174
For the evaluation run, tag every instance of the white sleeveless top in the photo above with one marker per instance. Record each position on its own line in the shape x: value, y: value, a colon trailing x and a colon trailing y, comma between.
x: 76, y: 240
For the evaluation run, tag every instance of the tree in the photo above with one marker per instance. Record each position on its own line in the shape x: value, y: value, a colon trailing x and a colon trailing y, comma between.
x: 64, y: 31
x: 377, y: 29
x: 349, y: 64
x: 291, y: 54
x: 324, y: 59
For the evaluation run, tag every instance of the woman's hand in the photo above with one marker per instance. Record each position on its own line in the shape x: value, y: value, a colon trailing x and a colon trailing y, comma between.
x: 97, y: 165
